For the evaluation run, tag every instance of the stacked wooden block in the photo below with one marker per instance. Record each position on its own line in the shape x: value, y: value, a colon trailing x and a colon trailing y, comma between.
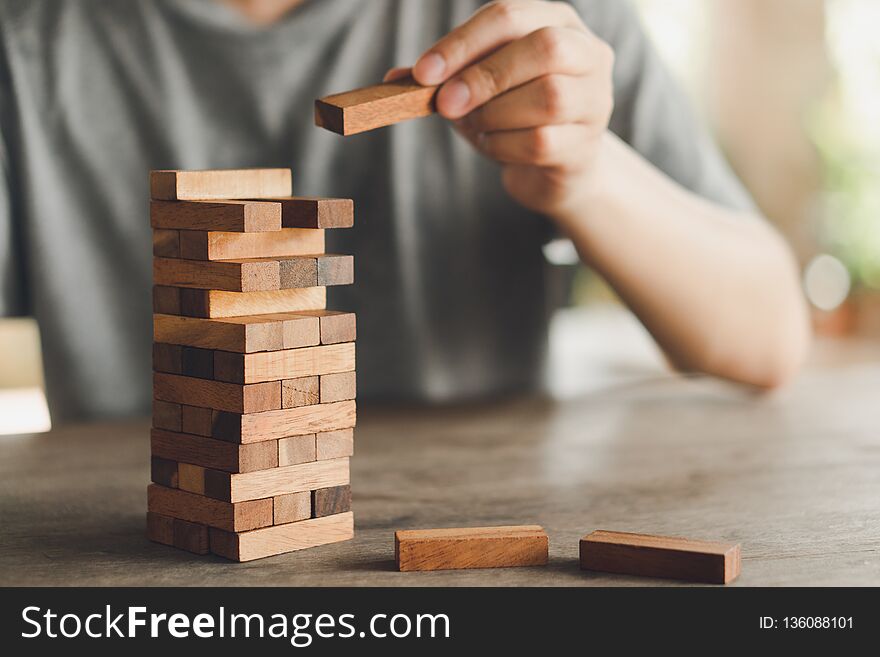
x: 254, y: 380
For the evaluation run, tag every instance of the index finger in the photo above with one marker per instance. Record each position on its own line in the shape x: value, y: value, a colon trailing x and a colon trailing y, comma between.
x: 490, y: 28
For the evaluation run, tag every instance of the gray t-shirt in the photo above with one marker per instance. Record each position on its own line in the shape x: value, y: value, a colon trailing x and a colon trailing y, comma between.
x: 452, y: 291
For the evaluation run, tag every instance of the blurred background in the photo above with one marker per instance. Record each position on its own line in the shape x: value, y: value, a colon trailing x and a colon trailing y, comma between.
x: 791, y: 88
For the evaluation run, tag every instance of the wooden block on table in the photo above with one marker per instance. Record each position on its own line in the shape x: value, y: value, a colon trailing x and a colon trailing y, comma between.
x: 338, y: 387
x: 304, y: 391
x: 191, y: 478
x: 167, y: 416
x: 225, y: 216
x: 250, y: 275
x: 279, y: 539
x: 188, y: 361
x: 314, y: 212
x: 334, y: 444
x: 660, y: 556
x: 297, y: 449
x: 166, y: 243
x: 212, y: 453
x: 292, y: 508
x: 284, y: 364
x: 175, y: 185
x: 476, y: 547
x: 223, y: 245
x: 330, y: 501
x: 336, y: 326
x: 219, y: 395
x: 357, y: 111
x: 160, y: 529
x: 273, y: 425
x: 222, y: 304
x: 196, y: 420
x: 204, y: 510
x: 164, y: 472
x: 277, y: 481
x: 190, y: 536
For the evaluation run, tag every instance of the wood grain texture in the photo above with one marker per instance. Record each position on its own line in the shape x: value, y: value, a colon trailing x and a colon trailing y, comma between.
x: 334, y: 444
x: 315, y: 212
x: 246, y: 334
x: 174, y: 185
x: 357, y: 111
x: 204, y: 510
x: 297, y: 449
x: 212, y: 453
x: 284, y: 364
x: 330, y: 501
x: 476, y: 547
x: 272, y: 425
x: 338, y: 387
x: 222, y: 304
x: 160, y: 529
x: 166, y: 243
x: 336, y: 326
x: 190, y: 536
x: 219, y: 395
x: 334, y: 269
x: 250, y: 275
x: 282, y: 480
x: 225, y: 216
x: 163, y: 471
x: 304, y: 391
x: 660, y: 556
x: 195, y: 420
x: 279, y: 539
x: 223, y: 245
x: 190, y: 478
x: 166, y: 300
x: 167, y: 415
x: 188, y: 361
x: 292, y: 507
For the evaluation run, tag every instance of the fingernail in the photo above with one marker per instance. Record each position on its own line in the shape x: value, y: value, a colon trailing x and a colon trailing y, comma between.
x: 430, y: 69
x: 454, y: 97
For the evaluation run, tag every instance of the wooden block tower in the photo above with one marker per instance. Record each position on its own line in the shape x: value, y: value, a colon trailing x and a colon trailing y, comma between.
x: 254, y: 380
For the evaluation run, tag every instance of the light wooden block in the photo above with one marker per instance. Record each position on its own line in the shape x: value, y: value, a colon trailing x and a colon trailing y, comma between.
x: 226, y: 216
x: 173, y: 185
x: 191, y: 478
x: 222, y: 304
x: 221, y: 245
x: 277, y: 481
x: 357, y: 111
x: 338, y: 387
x: 279, y: 539
x: 336, y: 326
x: 218, y: 395
x: 304, y: 391
x: 660, y: 556
x: 253, y: 275
x: 233, y: 334
x: 296, y: 449
x: 476, y: 547
x: 284, y: 364
x: 212, y: 453
x: 334, y: 444
x: 273, y: 425
x: 209, y: 511
x: 293, y: 507
x: 316, y: 213
x: 330, y: 501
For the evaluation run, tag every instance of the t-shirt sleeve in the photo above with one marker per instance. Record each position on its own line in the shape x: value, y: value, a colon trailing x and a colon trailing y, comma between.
x: 653, y: 115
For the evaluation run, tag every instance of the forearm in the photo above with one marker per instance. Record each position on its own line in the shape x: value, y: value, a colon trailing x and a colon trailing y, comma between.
x: 718, y: 291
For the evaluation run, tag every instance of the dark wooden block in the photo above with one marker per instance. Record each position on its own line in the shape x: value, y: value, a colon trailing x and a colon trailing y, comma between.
x: 163, y: 471
x: 330, y: 501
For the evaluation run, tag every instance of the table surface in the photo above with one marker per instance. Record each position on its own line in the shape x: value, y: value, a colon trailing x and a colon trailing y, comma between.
x: 620, y: 445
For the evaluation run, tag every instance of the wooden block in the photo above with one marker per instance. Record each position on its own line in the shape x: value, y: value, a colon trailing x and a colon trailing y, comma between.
x: 171, y: 185
x: 660, y: 556
x: 338, y: 387
x: 336, y: 326
x: 284, y: 364
x: 190, y: 536
x: 219, y: 303
x: 313, y: 212
x: 352, y: 112
x: 251, y: 275
x: 191, y: 478
x: 243, y: 334
x: 164, y: 472
x: 166, y: 243
x: 188, y: 361
x: 196, y: 420
x: 218, y: 395
x: 167, y: 416
x: 282, y: 538
x: 225, y: 216
x: 330, y: 501
x: 212, y: 453
x: 293, y: 507
x: 204, y: 510
x: 334, y: 444
x: 335, y: 269
x: 220, y: 245
x: 277, y: 481
x: 473, y: 547
x: 166, y: 300
x: 296, y: 449
x: 160, y: 529
x: 273, y: 425
x: 167, y: 358
x: 304, y: 391
x: 298, y: 272
x: 323, y: 270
